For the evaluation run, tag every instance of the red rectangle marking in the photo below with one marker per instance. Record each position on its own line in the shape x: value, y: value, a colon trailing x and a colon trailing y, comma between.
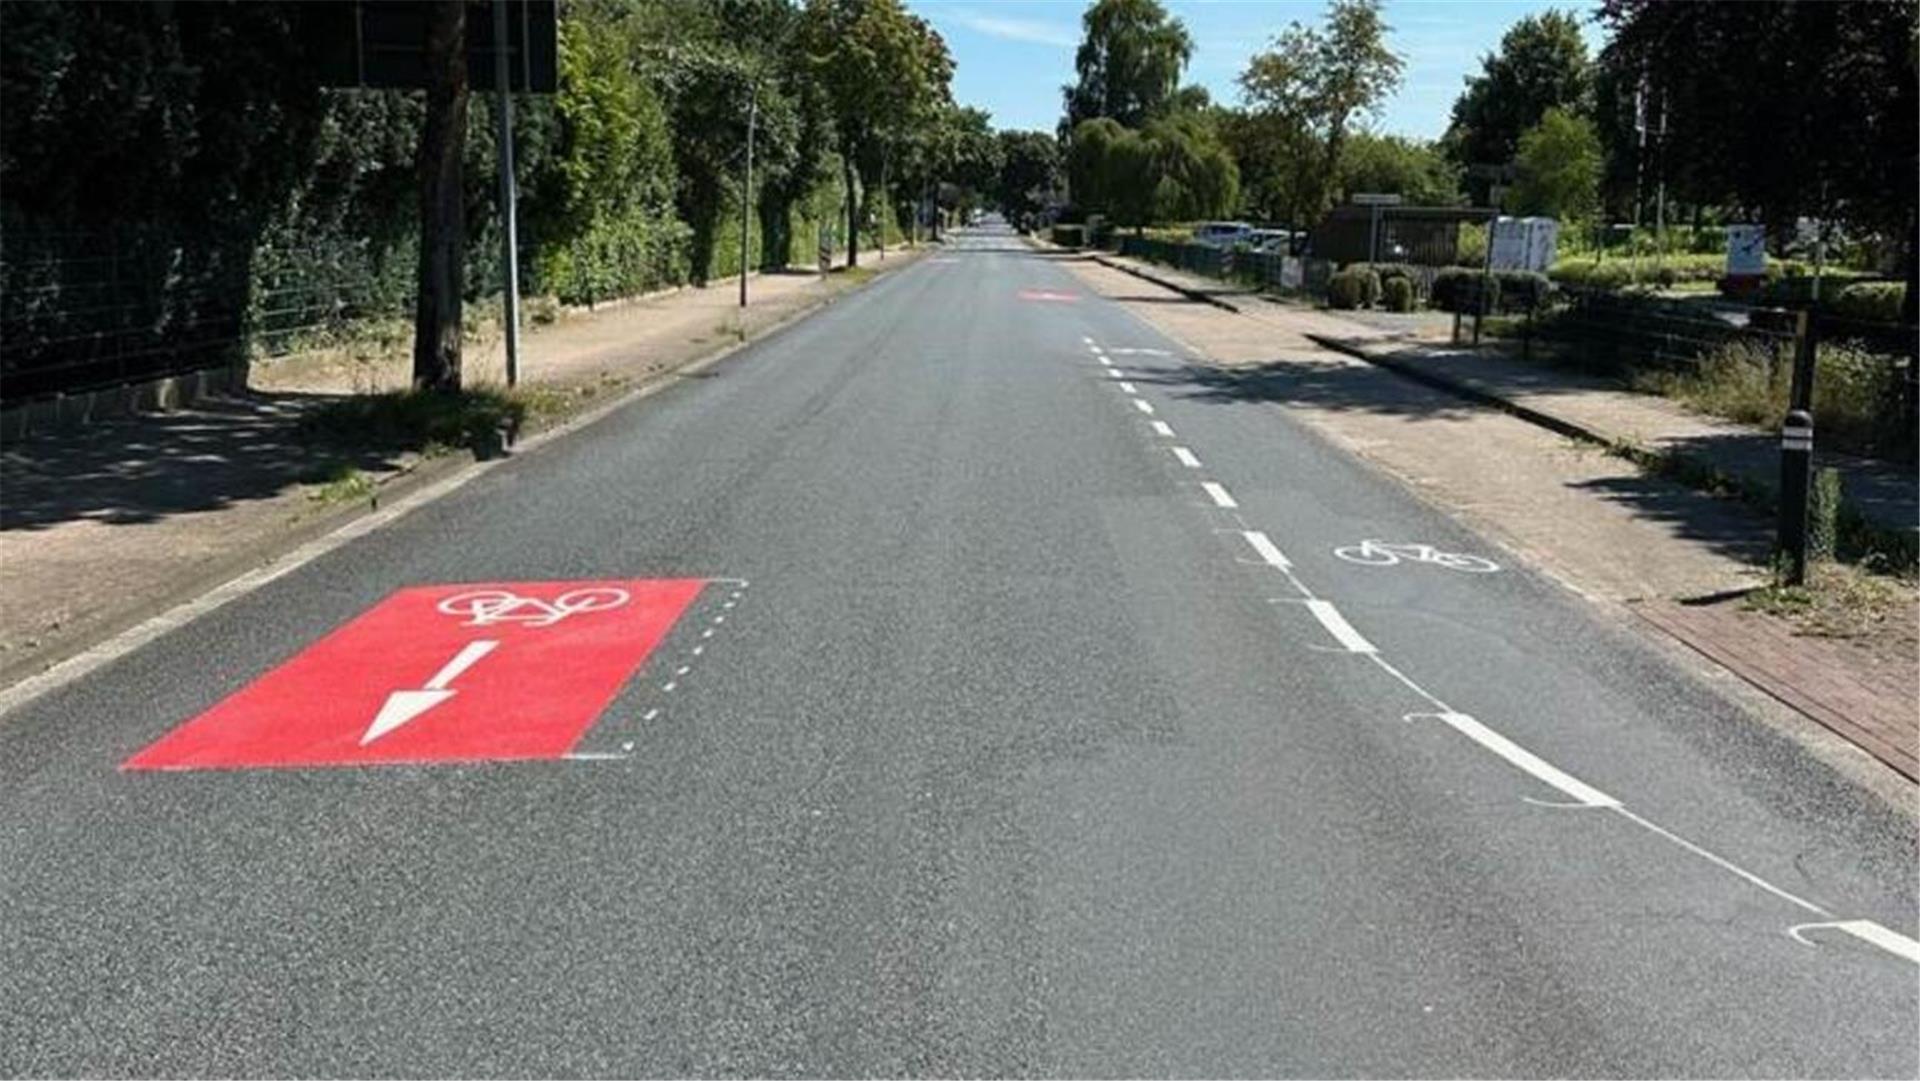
x: 495, y: 670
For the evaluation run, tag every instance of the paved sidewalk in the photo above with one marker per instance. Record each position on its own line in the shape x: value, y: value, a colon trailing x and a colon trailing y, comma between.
x: 1675, y: 558
x: 1574, y: 403
x: 104, y: 525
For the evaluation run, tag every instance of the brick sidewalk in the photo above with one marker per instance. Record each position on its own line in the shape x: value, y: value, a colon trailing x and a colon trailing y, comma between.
x: 1866, y: 699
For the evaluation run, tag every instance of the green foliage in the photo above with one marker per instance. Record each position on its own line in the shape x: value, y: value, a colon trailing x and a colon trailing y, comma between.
x: 1306, y: 90
x: 1030, y: 170
x: 1558, y: 163
x: 1869, y: 301
x: 1823, y: 513
x: 1457, y: 289
x: 1391, y: 163
x: 1354, y: 287
x: 1617, y: 272
x: 1522, y: 290
x: 1541, y: 65
x: 1855, y: 392
x: 1128, y: 65
x: 1173, y: 169
x: 1397, y: 294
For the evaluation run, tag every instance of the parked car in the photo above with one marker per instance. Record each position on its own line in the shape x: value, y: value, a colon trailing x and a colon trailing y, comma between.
x: 1222, y: 234
x: 1271, y: 241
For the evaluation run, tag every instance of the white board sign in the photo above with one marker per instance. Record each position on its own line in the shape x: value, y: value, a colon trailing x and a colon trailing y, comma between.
x: 1524, y: 243
x: 1746, y: 251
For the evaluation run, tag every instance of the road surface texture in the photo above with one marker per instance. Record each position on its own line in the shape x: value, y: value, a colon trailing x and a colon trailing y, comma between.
x: 1031, y: 724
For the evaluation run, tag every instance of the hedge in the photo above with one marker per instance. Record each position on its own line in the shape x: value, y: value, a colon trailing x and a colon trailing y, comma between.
x: 1397, y: 294
x: 1354, y: 287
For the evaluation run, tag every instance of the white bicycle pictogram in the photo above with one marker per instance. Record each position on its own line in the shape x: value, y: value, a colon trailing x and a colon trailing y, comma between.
x: 1376, y: 553
x: 485, y: 607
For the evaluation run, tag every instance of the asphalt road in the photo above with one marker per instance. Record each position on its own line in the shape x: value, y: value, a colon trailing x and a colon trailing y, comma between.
x: 1017, y: 754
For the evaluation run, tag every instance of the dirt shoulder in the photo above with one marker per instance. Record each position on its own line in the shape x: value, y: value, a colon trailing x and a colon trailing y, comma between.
x: 103, y: 526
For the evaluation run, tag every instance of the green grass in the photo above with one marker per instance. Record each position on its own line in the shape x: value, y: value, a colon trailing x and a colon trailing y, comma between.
x: 343, y: 484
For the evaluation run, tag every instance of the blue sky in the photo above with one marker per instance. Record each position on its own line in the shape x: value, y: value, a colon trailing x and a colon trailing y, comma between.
x: 1012, y: 56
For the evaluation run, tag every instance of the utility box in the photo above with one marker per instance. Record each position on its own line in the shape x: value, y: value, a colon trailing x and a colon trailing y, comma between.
x: 1523, y: 243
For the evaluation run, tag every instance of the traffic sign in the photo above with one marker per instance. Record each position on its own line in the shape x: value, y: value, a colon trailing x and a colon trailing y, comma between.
x: 502, y: 670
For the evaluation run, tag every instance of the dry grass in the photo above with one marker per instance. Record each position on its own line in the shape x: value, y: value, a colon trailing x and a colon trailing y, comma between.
x: 1844, y: 601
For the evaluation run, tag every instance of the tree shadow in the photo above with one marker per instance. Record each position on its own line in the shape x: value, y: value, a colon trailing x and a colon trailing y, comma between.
x: 148, y: 466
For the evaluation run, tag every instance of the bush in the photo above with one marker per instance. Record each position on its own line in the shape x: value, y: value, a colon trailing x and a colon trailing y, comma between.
x: 423, y: 420
x: 1869, y: 301
x: 1457, y: 289
x: 1397, y: 294
x: 1855, y: 395
x: 1354, y: 287
x: 1823, y: 513
x: 1522, y: 290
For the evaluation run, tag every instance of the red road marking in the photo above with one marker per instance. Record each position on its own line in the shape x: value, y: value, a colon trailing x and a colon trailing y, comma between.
x: 418, y: 664
x: 1044, y: 294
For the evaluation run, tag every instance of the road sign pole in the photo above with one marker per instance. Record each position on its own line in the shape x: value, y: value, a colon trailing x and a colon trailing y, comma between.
x: 510, y: 242
x: 746, y: 195
x: 1796, y: 469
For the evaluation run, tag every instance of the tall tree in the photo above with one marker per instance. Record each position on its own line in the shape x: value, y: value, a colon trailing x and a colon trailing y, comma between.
x: 1312, y: 85
x: 882, y: 70
x: 1392, y: 163
x: 1030, y: 172
x: 443, y: 223
x: 1128, y: 64
x: 1542, y: 64
x: 1558, y: 167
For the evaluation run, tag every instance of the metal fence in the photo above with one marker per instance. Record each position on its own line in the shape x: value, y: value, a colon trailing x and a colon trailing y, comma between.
x: 1262, y: 270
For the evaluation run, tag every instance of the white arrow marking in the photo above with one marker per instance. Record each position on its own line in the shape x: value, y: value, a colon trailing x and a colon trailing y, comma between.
x: 403, y: 706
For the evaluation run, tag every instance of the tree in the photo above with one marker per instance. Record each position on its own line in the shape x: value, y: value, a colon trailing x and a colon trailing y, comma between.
x: 1312, y: 84
x: 1174, y: 168
x: 1542, y: 64
x: 1129, y: 63
x: 1391, y: 163
x: 443, y: 223
x: 1558, y: 167
x: 1030, y: 172
x: 881, y: 71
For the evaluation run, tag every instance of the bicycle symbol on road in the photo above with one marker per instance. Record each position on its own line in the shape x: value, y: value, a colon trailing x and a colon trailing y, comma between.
x: 485, y: 607
x: 1375, y: 553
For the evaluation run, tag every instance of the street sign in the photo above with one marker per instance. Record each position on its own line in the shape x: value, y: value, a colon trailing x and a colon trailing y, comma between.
x: 381, y: 44
x: 1369, y: 198
x: 502, y: 670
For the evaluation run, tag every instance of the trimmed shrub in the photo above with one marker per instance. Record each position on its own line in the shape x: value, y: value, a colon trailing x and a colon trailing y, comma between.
x: 1457, y: 289
x: 1397, y: 294
x: 1522, y: 290
x: 1354, y: 287
x: 1869, y: 301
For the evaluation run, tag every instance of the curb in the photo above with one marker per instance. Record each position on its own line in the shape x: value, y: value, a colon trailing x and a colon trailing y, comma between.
x: 1185, y: 291
x: 1559, y: 425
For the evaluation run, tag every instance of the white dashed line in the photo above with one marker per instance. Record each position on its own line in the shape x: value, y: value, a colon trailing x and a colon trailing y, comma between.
x: 1128, y: 388
x: 1269, y: 551
x: 1107, y: 362
x: 1521, y: 758
x: 708, y: 633
x: 1186, y: 457
x: 683, y: 670
x: 1218, y: 495
x: 1867, y: 931
x: 1337, y: 625
x: 650, y: 714
x: 1086, y: 339
x: 1160, y: 427
x: 1142, y: 406
x: 669, y: 685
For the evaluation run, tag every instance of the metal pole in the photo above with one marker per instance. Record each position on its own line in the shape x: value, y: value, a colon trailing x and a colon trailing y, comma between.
x: 1796, y: 468
x: 746, y: 195
x: 510, y: 242
x: 1373, y: 235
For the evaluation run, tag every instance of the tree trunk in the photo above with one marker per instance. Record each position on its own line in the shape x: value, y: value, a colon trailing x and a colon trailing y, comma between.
x: 853, y: 210
x: 443, y: 225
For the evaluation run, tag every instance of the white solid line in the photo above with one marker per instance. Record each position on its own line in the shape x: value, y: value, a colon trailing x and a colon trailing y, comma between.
x: 1527, y: 761
x: 1142, y: 406
x: 1720, y: 861
x: 1186, y: 457
x: 1867, y: 931
x: 1160, y: 428
x: 1128, y: 388
x: 596, y: 756
x: 1337, y: 625
x: 1218, y: 495
x: 1267, y: 549
x: 468, y: 656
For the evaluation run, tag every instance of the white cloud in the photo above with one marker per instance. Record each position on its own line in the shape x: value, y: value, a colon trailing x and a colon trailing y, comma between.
x: 1036, y: 31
